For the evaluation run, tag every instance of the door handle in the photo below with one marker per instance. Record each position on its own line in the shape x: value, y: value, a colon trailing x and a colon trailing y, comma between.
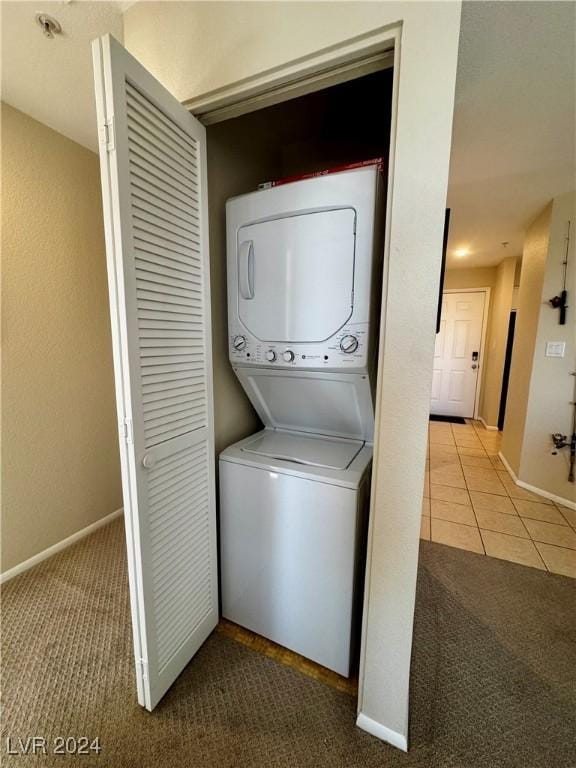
x: 473, y: 366
x: 246, y: 269
x: 149, y: 460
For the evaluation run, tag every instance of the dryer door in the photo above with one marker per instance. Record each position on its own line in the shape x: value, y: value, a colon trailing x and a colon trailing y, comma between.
x: 296, y: 275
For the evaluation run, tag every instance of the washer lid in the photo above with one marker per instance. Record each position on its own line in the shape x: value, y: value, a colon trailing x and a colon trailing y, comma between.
x: 326, y: 452
x: 318, y: 402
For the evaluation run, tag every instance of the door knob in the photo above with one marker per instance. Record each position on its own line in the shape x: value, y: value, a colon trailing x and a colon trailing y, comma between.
x: 149, y: 460
x: 474, y: 366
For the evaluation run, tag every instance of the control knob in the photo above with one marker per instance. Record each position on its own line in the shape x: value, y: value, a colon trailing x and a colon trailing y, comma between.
x: 239, y: 343
x: 270, y: 355
x: 348, y: 344
x: 288, y: 356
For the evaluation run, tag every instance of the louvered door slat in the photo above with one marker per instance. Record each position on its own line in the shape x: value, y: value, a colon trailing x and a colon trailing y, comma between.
x: 170, y: 241
x: 145, y: 125
x: 190, y: 292
x: 174, y: 542
x: 178, y: 513
x: 172, y: 485
x: 149, y: 238
x: 170, y: 129
x: 160, y: 212
x: 178, y: 510
x: 168, y: 404
x: 173, y: 504
x: 144, y: 182
x: 154, y: 193
x: 162, y: 411
x: 162, y: 473
x: 180, y: 395
x: 172, y: 232
x: 168, y: 256
x: 158, y: 331
x: 162, y: 154
x: 159, y: 204
x: 140, y: 157
x: 159, y: 275
x: 152, y: 390
x: 162, y: 372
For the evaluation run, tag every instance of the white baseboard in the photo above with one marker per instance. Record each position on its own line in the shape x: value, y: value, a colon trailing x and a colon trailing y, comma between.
x: 381, y: 732
x: 487, y: 426
x: 32, y: 561
x: 508, y: 467
x: 540, y: 491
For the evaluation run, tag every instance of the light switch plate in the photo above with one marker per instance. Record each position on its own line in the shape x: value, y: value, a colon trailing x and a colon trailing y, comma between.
x: 555, y: 348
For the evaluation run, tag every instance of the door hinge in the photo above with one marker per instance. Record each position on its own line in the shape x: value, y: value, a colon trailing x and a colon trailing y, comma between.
x: 126, y: 431
x: 108, y: 135
x: 144, y: 665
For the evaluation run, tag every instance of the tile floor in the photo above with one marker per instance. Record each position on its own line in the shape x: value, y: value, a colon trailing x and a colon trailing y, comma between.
x: 471, y: 502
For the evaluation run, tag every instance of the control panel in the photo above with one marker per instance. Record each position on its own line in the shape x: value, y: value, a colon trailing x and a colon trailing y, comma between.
x: 348, y: 349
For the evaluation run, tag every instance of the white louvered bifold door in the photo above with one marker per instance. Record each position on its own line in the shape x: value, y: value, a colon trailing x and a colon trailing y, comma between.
x: 153, y: 160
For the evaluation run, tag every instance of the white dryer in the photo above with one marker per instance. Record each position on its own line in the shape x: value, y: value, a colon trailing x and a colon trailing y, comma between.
x: 302, y: 282
x: 302, y: 259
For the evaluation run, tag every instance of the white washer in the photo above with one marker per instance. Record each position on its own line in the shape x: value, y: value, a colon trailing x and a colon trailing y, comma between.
x: 292, y: 530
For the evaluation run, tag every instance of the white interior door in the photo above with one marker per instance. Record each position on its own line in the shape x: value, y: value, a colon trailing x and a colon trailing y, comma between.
x: 457, y: 354
x: 153, y: 161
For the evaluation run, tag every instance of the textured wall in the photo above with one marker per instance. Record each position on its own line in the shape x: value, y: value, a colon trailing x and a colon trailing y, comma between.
x: 197, y: 47
x: 60, y: 469
x: 534, y: 258
x: 551, y: 389
x: 473, y: 277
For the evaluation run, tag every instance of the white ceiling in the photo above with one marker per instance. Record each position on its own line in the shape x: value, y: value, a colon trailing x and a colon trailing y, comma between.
x: 514, y: 128
x: 513, y: 141
x: 51, y: 80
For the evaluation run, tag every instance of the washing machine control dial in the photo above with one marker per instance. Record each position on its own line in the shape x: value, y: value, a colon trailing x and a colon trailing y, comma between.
x: 270, y: 355
x: 348, y: 344
x: 288, y: 356
x: 239, y: 343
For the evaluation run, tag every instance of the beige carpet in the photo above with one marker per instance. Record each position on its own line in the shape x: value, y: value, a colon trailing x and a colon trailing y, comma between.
x: 493, y: 676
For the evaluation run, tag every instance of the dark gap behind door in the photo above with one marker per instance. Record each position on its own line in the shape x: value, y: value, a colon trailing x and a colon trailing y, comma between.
x: 506, y: 372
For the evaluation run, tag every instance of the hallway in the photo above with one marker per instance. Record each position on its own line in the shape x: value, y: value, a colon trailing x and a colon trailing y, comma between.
x: 471, y: 502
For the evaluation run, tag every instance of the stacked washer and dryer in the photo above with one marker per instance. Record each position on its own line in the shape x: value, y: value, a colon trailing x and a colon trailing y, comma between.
x: 303, y: 274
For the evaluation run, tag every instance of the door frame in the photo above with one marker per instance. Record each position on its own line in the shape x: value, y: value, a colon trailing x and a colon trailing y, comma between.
x: 339, y: 63
x: 393, y: 536
x: 485, y: 314
x: 345, y: 61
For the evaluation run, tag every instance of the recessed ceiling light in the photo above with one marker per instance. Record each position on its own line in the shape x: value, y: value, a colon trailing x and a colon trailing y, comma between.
x: 461, y: 252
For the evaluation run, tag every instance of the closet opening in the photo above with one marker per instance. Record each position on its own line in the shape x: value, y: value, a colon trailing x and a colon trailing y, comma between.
x: 295, y: 428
